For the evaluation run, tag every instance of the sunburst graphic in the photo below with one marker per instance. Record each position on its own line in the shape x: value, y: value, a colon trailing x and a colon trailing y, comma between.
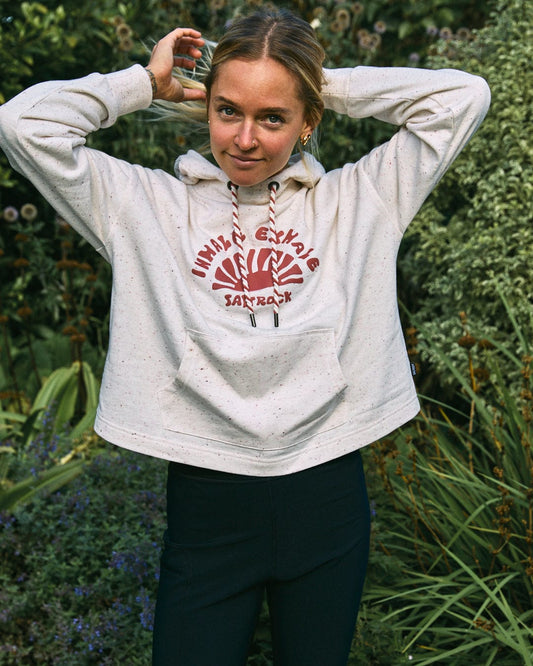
x: 259, y: 273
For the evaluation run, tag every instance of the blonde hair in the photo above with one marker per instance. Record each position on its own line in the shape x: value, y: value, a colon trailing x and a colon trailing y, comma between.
x: 273, y: 33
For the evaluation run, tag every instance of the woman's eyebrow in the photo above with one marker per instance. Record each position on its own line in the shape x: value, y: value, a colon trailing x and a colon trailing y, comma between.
x: 220, y: 99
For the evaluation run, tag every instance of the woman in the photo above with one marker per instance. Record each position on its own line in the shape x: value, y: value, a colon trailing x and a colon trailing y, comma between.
x: 255, y: 340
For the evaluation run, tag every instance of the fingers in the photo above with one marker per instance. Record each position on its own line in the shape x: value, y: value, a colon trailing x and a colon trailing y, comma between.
x: 180, y: 48
x: 186, y: 45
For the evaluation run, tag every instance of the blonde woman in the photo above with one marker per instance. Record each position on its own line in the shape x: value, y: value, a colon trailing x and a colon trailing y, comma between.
x: 255, y: 339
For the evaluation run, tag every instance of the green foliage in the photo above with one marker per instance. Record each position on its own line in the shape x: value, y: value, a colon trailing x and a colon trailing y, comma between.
x: 53, y: 308
x: 49, y: 481
x: 475, y: 234
x: 459, y: 487
x: 46, y: 432
x: 78, y: 569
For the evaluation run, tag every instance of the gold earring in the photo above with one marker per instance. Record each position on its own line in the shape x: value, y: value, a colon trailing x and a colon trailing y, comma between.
x: 305, y: 139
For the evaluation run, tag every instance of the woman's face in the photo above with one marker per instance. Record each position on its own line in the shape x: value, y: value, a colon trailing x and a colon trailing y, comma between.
x: 255, y: 119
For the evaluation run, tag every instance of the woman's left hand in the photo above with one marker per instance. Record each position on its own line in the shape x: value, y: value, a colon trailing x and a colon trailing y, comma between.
x: 180, y: 48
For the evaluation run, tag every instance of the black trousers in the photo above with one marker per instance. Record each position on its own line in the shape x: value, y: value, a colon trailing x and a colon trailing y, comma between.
x: 302, y: 538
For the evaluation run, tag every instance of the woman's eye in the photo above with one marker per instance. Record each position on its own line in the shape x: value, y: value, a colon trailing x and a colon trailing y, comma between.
x: 226, y: 111
x: 274, y: 120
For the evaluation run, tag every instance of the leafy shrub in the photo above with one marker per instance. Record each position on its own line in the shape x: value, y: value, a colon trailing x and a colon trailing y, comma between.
x: 474, y: 236
x: 78, y: 570
x: 459, y: 521
x: 53, y: 303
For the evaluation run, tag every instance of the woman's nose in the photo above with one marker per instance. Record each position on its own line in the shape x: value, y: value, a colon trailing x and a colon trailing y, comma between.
x: 244, y: 139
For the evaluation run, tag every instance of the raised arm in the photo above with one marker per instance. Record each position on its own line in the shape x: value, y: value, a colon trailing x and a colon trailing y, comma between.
x: 437, y: 112
x: 43, y: 133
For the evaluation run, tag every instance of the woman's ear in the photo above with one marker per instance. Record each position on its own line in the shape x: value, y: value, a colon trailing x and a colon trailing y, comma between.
x: 305, y: 134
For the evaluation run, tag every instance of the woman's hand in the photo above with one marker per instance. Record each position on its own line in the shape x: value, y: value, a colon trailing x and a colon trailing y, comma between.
x: 180, y: 48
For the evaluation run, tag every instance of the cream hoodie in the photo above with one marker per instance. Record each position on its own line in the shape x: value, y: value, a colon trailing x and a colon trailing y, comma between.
x: 187, y: 378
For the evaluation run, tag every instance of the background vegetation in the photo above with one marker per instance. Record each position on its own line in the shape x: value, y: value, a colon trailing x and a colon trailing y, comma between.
x: 81, y: 522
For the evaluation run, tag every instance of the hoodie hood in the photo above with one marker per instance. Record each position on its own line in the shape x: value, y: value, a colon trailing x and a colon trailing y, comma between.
x: 303, y: 170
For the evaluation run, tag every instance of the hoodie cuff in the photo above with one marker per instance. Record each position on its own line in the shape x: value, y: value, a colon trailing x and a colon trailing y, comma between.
x: 131, y: 89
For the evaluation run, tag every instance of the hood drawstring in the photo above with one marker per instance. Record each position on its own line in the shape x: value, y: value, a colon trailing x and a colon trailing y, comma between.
x: 273, y: 187
x: 238, y: 237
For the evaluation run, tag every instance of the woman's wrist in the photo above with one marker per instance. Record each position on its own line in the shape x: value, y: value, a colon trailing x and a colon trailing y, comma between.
x: 153, y: 81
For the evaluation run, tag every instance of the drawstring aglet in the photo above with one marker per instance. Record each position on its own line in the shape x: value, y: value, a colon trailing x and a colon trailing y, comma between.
x: 252, y: 319
x: 276, y: 319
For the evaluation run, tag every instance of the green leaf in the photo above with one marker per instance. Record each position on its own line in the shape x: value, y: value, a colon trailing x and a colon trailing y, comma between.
x: 47, y: 481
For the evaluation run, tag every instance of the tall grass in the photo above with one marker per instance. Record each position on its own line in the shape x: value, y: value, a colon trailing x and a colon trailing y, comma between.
x: 459, y: 486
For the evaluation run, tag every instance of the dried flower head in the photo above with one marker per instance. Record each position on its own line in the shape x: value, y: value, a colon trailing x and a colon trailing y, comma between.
x: 21, y: 262
x: 375, y: 41
x: 24, y: 312
x: 343, y: 18
x: 125, y: 44
x: 123, y: 31
x: 466, y: 341
x: 28, y: 212
x: 464, y: 34
x: 10, y: 214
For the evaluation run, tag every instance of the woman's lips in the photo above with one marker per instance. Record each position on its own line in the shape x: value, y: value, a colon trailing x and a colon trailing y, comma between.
x: 244, y: 160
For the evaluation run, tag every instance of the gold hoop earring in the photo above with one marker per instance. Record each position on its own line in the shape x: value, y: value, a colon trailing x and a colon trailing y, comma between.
x: 305, y: 139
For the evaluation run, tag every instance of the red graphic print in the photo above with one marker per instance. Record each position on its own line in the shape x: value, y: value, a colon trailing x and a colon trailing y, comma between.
x: 259, y: 273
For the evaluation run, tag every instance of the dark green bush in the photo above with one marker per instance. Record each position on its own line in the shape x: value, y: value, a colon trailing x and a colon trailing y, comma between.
x: 78, y: 569
x: 474, y: 237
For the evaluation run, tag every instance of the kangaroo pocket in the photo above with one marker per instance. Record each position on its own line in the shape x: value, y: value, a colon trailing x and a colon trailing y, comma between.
x: 256, y: 392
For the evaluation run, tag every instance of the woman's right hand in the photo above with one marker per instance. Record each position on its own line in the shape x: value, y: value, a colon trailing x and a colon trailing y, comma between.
x: 180, y: 48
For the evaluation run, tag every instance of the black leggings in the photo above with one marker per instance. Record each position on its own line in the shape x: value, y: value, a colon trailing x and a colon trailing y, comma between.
x: 303, y: 538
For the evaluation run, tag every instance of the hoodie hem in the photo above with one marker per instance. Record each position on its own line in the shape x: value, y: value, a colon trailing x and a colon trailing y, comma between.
x: 211, y: 455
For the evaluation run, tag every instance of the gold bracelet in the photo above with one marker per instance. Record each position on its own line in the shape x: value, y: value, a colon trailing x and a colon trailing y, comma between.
x: 153, y: 80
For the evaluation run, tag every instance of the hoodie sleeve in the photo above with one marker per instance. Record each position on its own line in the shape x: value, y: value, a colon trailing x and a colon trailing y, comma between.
x: 43, y: 131
x: 437, y: 112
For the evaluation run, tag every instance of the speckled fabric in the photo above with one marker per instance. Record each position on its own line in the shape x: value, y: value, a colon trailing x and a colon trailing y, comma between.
x: 187, y: 378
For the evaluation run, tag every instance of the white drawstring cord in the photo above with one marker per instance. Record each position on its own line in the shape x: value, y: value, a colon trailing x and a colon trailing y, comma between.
x: 273, y: 187
x: 238, y: 236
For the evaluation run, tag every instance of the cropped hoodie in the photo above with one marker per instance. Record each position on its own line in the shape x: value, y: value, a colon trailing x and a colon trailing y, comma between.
x: 187, y: 377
